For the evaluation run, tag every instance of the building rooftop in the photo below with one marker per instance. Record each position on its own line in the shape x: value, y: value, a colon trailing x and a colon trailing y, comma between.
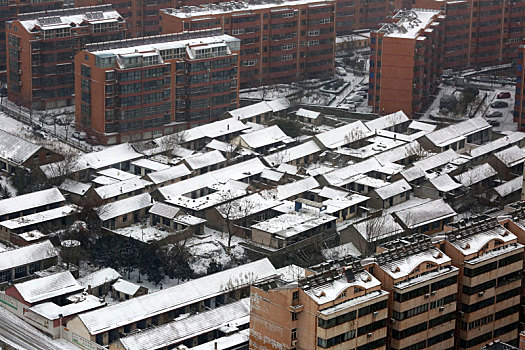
x: 48, y: 287
x: 511, y: 156
x: 456, y: 132
x: 74, y: 187
x: 387, y: 121
x: 265, y: 137
x: 122, y: 187
x: 476, y: 175
x: 172, y: 173
x: 30, y: 201
x: 509, y: 187
x: 176, y: 297
x: 425, y: 213
x: 234, y: 7
x: 150, y: 164
x: 293, y: 223
x: 125, y: 206
x: 409, y: 23
x: 444, y: 183
x: 16, y: 149
x: 497, y: 145
x: 99, y: 277
x: 246, y: 206
x: 378, y: 228
x: 199, y: 161
x: 393, y: 189
x: 295, y: 188
x: 81, y: 303
x: 40, y: 217
x: 289, y: 154
x: 126, y: 287
x: 343, y: 135
x: 26, y: 255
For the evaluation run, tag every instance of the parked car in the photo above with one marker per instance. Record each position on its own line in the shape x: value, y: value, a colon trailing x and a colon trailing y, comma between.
x: 79, y: 135
x: 362, y: 93
x: 92, y: 140
x: 62, y: 121
x: 495, y: 114
x: 494, y: 122
x: 46, y: 120
x: 340, y: 70
x: 363, y: 88
x: 355, y: 98
x: 504, y: 94
x: 499, y: 104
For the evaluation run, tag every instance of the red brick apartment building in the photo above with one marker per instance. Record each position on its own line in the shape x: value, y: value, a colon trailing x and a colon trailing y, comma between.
x: 519, y: 104
x: 490, y: 263
x: 10, y: 9
x: 340, y: 306
x: 355, y: 14
x: 480, y: 33
x: 406, y: 61
x: 137, y: 89
x: 280, y: 41
x: 42, y: 46
x: 422, y: 286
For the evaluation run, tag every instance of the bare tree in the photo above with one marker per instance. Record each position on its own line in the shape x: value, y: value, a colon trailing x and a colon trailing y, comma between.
x: 415, y: 152
x: 169, y: 142
x: 372, y: 230
x: 234, y: 209
x: 68, y: 118
x: 353, y: 135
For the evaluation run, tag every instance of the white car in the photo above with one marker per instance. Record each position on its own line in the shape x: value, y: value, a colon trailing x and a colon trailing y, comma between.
x: 355, y: 98
x: 79, y: 135
x: 340, y: 70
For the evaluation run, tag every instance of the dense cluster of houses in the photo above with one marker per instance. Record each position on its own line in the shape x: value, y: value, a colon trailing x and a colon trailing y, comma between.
x: 356, y: 185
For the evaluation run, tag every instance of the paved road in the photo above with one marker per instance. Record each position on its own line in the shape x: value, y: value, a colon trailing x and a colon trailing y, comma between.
x: 19, y: 335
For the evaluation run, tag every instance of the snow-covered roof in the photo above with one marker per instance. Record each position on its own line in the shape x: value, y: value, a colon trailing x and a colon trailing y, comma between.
x: 346, y: 175
x: 176, y: 297
x: 511, y: 156
x: 340, y: 251
x: 417, y: 125
x: 16, y: 149
x: 150, y: 164
x: 232, y: 341
x: 279, y: 104
x: 265, y: 137
x: 333, y: 205
x: 94, y: 160
x: 246, y: 206
x: 99, y: 277
x: 30, y: 200
x: 172, y: 173
x: 74, y: 187
x: 399, y: 153
x: 409, y: 23
x: 306, y: 113
x: 444, y: 183
x: 121, y: 187
x: 374, y: 145
x: 189, y: 220
x: 369, y: 181
x: 164, y: 210
x: 48, y: 287
x: 26, y: 255
x: 291, y: 273
x: 237, y: 171
x: 387, y: 121
x: 202, y: 160
x: 413, y: 173
x: 272, y: 175
x: 343, y: 135
x: 117, y: 174
x: 472, y: 244
x: 393, y: 189
x: 497, y: 145
x: 221, y: 193
x: 378, y: 228
x: 82, y: 303
x: 104, y: 180
x: 296, y: 188
x: 210, y: 130
x: 330, y: 192
x: 292, y: 153
x: 456, y: 132
x: 332, y: 289
x: 293, y: 223
x: 251, y: 111
x: 221, y: 146
x: 509, y: 187
x: 425, y: 213
x: 437, y: 160
x: 168, y: 334
x: 40, y: 217
x: 124, y: 206
x: 475, y: 175
x: 126, y: 287
x: 288, y: 168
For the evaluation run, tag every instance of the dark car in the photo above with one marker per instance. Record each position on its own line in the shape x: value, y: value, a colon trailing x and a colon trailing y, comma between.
x: 495, y: 114
x: 499, y: 104
x: 502, y: 95
x: 494, y: 122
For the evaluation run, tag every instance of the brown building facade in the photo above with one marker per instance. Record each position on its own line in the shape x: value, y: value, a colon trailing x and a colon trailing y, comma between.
x: 139, y: 89
x: 338, y: 307
x: 41, y: 49
x: 406, y: 62
x: 480, y: 33
x: 490, y: 260
x: 422, y: 286
x: 519, y: 97
x: 280, y: 42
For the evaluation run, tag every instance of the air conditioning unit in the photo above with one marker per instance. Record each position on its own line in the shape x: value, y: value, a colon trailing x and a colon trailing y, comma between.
x: 433, y: 292
x: 427, y: 296
x: 375, y: 314
x: 369, y: 335
x: 441, y: 308
x: 294, y: 342
x: 481, y: 294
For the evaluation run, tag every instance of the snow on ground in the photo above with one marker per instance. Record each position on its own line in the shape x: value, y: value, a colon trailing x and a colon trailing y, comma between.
x: 212, y: 246
x: 5, y: 182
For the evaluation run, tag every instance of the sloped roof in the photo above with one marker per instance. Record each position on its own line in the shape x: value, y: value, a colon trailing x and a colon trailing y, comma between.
x: 343, y: 135
x: 16, y: 149
x: 453, y: 133
x: 425, y: 213
x: 475, y: 175
x: 75, y: 187
x: 124, y: 206
x: 121, y: 187
x: 202, y: 160
x: 387, y: 121
x: 169, y: 174
x: 306, y: 113
x: 393, y: 189
x: 126, y: 287
x: 164, y: 210
x: 444, y: 183
x: 265, y: 137
x: 295, y: 188
x: 99, y: 277
x: 27, y: 255
x: 48, y: 287
x: 30, y: 200
x: 511, y: 156
x: 292, y: 153
x: 509, y: 187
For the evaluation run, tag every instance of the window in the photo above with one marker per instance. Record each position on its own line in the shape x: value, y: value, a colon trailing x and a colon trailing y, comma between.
x: 295, y: 295
x: 294, y: 316
x: 294, y: 334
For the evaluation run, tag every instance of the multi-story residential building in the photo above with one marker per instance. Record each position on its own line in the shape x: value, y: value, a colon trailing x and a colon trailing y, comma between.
x: 142, y: 88
x: 422, y: 286
x: 341, y: 306
x: 352, y: 15
x: 406, y: 62
x: 480, y: 33
x: 42, y: 46
x: 10, y: 10
x: 490, y: 261
x: 280, y: 41
x: 519, y: 104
